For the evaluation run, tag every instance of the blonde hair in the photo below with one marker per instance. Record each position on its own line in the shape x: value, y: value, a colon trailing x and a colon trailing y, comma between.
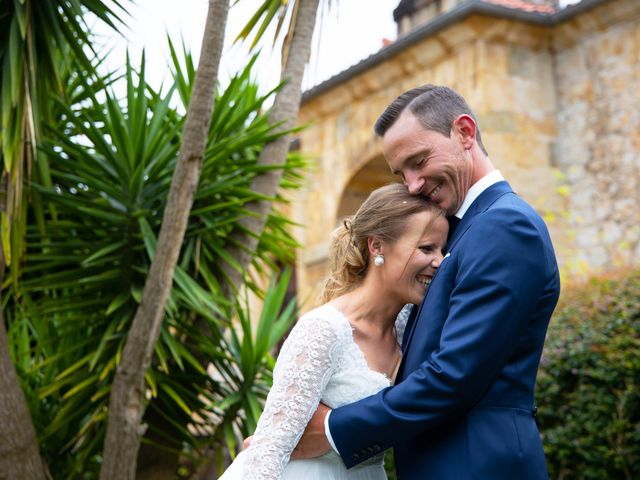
x: 383, y: 214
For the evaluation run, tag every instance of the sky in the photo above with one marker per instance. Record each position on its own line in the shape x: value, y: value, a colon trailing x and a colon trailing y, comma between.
x: 346, y: 37
x: 349, y: 32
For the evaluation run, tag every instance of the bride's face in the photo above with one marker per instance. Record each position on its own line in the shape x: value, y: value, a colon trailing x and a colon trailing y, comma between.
x: 412, y: 260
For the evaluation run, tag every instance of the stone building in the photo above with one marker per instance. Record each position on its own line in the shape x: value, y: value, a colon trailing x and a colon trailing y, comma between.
x: 557, y: 95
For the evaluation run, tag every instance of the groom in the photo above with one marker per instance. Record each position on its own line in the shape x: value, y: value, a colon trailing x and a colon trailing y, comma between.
x: 463, y: 404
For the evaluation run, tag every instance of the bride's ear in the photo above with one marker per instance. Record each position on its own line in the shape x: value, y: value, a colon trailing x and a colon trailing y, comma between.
x: 375, y: 246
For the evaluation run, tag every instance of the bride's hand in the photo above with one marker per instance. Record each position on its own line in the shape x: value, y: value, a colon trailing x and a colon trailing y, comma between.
x: 246, y: 442
x: 314, y: 442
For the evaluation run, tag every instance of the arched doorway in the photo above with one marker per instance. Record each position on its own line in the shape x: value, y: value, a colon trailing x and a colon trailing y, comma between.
x: 370, y: 176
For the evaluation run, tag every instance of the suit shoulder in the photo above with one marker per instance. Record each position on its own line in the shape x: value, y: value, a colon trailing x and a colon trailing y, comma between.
x: 512, y: 228
x: 511, y: 210
x: 512, y: 203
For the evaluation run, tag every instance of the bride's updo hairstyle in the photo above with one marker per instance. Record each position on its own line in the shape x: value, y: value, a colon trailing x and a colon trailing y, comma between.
x: 383, y: 214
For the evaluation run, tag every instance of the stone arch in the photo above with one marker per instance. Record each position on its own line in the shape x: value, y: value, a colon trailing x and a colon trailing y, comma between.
x: 373, y: 174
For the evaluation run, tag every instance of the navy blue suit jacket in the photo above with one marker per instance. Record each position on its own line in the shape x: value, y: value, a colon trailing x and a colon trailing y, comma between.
x: 463, y: 405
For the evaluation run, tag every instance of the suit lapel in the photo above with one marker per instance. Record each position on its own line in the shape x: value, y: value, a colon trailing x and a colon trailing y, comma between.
x: 482, y: 203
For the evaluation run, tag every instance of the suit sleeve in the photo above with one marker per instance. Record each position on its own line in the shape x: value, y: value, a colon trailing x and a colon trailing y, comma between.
x: 502, y: 269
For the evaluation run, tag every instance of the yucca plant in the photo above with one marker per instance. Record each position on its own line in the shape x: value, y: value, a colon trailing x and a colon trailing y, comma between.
x: 35, y: 35
x: 242, y: 369
x: 37, y: 38
x: 111, y: 163
x: 282, y: 117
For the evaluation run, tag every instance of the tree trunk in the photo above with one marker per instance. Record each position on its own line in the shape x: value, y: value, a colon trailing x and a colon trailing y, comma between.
x: 124, y: 428
x: 285, y: 109
x: 19, y: 451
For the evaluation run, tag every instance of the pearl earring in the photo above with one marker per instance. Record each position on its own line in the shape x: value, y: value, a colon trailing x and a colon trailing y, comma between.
x: 378, y: 260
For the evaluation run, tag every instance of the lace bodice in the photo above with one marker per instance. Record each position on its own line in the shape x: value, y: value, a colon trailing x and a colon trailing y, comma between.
x: 320, y: 361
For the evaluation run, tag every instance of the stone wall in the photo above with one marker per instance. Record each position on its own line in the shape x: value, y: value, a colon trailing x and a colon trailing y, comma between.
x: 558, y: 108
x: 597, y: 68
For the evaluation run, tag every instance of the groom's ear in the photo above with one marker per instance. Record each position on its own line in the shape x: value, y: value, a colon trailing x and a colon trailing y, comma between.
x: 465, y: 129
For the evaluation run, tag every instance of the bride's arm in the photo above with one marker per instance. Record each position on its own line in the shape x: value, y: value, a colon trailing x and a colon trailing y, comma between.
x: 303, y: 368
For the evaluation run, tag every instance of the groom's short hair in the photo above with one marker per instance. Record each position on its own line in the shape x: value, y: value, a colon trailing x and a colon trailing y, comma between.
x: 435, y: 107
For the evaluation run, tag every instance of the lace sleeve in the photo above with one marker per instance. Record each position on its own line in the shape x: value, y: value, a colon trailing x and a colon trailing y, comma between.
x: 302, y: 370
x: 401, y: 321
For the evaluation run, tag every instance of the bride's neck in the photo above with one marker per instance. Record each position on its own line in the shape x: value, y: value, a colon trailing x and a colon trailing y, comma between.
x: 369, y: 306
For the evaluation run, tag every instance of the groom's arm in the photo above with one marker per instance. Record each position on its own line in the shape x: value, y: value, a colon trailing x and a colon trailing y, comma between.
x: 314, y: 441
x: 498, y: 283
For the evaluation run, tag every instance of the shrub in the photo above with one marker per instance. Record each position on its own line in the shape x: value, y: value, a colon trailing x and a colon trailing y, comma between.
x: 588, y: 389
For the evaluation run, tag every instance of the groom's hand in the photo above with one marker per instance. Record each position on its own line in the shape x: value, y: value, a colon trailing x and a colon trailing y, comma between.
x: 314, y: 442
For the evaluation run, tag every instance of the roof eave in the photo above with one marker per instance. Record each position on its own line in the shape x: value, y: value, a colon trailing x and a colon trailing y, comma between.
x: 441, y: 22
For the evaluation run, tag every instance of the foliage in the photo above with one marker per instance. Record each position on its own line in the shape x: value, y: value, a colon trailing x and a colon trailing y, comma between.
x: 390, y: 465
x: 38, y: 40
x: 588, y: 390
x: 111, y: 162
x: 275, y: 12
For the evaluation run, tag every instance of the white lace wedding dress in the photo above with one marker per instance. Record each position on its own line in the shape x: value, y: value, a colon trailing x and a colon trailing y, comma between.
x: 319, y: 362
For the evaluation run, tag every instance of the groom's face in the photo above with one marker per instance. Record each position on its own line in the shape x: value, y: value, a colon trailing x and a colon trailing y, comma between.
x: 431, y: 164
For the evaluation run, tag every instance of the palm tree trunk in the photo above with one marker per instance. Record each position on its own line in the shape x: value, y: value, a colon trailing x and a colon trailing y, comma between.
x: 285, y: 110
x: 19, y: 452
x: 126, y: 404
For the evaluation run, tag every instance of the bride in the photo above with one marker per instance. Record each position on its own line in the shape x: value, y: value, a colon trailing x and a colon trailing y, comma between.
x: 381, y: 259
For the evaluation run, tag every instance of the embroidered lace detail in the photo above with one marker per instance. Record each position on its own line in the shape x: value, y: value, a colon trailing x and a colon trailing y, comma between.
x: 318, y: 362
x: 401, y: 321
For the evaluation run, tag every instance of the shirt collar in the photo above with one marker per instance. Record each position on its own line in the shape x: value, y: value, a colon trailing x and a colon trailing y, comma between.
x: 477, y: 188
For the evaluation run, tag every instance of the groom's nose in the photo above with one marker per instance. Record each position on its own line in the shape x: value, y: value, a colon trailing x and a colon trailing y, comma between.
x: 414, y: 183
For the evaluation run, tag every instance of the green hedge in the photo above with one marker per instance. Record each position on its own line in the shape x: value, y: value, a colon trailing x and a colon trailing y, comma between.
x: 588, y: 389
